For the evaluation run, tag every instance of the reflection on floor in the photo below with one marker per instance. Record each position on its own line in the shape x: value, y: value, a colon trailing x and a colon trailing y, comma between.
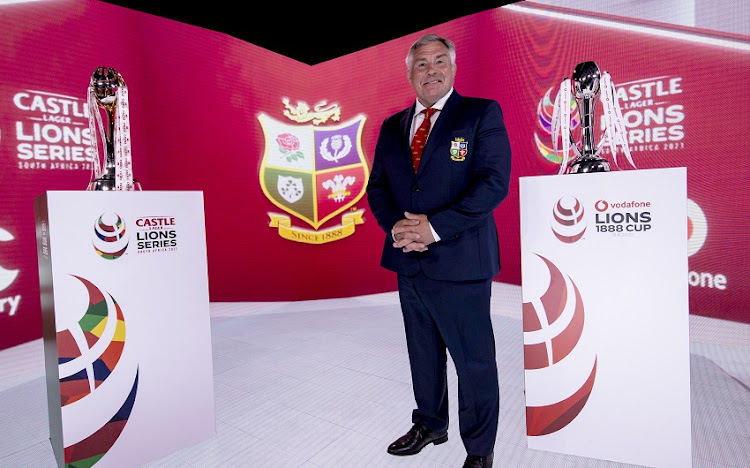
x: 326, y: 384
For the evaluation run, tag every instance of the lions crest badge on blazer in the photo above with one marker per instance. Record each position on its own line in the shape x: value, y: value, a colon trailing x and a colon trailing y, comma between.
x: 459, y: 149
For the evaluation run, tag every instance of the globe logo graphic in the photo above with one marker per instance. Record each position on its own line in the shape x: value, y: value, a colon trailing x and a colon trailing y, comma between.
x: 110, y: 239
x: 544, y: 112
x: 697, y: 227
x: 568, y: 223
x: 553, y: 325
x: 90, y: 345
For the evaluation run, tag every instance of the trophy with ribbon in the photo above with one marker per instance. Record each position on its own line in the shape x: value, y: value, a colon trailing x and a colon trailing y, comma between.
x: 109, y: 113
x: 587, y: 87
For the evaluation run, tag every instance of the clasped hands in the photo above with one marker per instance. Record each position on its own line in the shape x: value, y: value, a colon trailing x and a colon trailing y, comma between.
x: 413, y: 233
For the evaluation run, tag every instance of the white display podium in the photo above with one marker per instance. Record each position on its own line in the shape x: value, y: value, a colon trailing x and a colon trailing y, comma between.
x: 126, y: 325
x: 605, y: 315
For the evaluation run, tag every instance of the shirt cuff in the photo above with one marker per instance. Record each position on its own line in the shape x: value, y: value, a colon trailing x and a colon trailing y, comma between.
x: 434, y: 234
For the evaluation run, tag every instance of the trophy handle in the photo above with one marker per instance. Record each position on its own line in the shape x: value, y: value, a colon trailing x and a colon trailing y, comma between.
x: 574, y: 147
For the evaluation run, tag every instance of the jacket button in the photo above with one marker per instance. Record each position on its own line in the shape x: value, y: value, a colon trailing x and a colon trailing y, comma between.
x: 415, y: 189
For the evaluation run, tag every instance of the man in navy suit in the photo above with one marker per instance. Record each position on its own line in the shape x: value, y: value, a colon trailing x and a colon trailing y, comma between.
x: 441, y: 240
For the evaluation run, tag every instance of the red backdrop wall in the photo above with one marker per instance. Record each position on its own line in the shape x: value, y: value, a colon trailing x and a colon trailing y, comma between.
x: 196, y: 97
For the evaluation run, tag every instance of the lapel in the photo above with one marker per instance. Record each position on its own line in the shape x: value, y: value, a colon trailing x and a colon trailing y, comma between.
x: 436, y: 140
x: 406, y: 120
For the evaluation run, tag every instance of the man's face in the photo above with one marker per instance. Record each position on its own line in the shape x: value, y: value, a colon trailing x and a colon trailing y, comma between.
x: 431, y: 73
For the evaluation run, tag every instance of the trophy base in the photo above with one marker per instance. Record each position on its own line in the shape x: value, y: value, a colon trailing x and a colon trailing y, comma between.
x: 101, y: 185
x: 585, y: 165
x: 106, y: 185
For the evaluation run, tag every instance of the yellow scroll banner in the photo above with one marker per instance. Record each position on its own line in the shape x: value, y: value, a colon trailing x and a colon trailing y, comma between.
x: 310, y: 236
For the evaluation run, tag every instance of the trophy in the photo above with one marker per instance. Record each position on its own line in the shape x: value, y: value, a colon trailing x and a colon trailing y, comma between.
x: 589, y: 84
x: 109, y: 114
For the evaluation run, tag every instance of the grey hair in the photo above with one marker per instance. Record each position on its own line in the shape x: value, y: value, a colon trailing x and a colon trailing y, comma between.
x: 427, y: 39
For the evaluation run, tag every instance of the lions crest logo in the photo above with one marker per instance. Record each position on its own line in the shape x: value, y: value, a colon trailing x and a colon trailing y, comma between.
x: 314, y: 173
x: 459, y: 149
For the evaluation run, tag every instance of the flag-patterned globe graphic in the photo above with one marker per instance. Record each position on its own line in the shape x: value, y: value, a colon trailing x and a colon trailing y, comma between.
x: 110, y: 237
x: 97, y: 392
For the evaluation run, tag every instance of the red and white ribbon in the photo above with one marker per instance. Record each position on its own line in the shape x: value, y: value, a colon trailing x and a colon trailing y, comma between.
x: 615, y: 130
x: 120, y: 139
x: 123, y: 158
x: 561, y: 122
x: 95, y: 123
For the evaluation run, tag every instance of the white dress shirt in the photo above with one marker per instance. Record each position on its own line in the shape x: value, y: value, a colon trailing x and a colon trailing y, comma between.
x: 416, y: 122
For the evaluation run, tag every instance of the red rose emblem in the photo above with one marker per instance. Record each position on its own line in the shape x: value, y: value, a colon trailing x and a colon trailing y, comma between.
x: 287, y: 142
x: 289, y: 147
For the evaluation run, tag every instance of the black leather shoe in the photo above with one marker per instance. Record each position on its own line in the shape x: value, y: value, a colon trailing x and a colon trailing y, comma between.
x: 413, y: 441
x: 472, y: 461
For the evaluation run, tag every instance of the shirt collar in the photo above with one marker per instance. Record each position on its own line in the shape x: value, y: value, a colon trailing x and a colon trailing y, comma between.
x: 438, y: 105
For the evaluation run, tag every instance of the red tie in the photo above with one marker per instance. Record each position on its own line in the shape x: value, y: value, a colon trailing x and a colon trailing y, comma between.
x: 420, y: 138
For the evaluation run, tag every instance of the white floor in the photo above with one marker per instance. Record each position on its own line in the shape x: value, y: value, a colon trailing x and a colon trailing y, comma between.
x: 326, y: 384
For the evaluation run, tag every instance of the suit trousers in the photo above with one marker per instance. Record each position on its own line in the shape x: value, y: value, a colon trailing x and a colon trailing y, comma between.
x: 452, y: 316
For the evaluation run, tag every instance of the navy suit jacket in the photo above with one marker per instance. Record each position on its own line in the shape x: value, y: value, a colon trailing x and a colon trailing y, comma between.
x: 457, y: 194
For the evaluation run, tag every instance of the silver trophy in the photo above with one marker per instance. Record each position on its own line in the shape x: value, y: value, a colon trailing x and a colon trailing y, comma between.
x: 108, y: 93
x: 586, y: 78
x: 589, y: 84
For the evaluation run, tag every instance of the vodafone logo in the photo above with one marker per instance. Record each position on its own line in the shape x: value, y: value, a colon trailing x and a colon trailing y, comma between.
x: 697, y: 228
x: 6, y: 276
x: 9, y: 304
x: 568, y: 222
x: 553, y: 325
x: 697, y: 236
